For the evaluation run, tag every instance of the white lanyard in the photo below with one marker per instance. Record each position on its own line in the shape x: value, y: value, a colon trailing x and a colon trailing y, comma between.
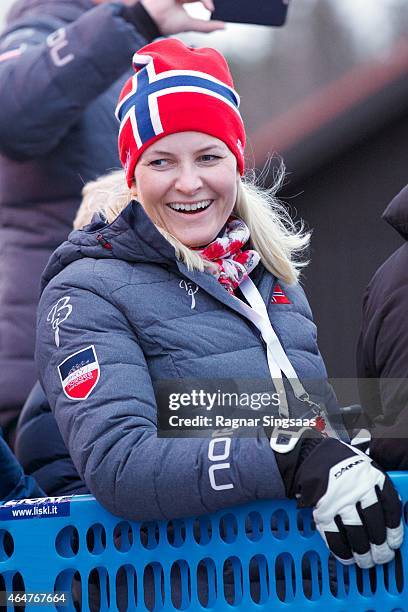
x: 278, y: 361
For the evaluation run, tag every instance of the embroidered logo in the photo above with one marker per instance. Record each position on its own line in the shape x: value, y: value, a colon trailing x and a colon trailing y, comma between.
x: 58, y: 314
x: 189, y: 288
x: 279, y: 296
x: 57, y: 41
x: 79, y: 373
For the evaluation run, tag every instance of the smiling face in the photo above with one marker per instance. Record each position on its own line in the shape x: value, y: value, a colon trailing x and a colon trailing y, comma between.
x: 187, y: 184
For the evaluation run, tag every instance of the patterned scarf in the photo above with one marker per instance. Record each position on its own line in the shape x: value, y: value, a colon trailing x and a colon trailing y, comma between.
x: 229, y: 263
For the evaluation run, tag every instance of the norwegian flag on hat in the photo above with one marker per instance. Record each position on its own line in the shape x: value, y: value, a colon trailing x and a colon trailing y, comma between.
x: 177, y: 88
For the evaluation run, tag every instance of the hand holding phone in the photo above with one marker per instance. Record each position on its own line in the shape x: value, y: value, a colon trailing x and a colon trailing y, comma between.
x: 261, y: 12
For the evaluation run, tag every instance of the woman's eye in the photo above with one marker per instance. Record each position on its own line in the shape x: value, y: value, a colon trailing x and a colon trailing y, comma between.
x: 209, y: 157
x: 159, y: 163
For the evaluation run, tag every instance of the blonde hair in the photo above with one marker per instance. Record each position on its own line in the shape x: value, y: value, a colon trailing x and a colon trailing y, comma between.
x: 279, y: 241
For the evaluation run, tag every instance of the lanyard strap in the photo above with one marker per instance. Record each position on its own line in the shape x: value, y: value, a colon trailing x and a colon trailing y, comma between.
x: 278, y: 361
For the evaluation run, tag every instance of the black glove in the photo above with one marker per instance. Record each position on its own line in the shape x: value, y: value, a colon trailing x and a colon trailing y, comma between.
x: 357, y: 511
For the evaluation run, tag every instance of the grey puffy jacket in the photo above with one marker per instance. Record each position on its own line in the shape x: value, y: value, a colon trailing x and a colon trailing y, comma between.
x: 117, y: 310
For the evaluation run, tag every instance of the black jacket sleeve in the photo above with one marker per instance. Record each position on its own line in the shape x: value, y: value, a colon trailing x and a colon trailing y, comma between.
x: 382, y: 365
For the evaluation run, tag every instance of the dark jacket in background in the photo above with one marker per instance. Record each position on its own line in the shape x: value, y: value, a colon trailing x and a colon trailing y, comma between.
x: 62, y: 64
x: 14, y: 484
x: 41, y: 450
x: 382, y: 353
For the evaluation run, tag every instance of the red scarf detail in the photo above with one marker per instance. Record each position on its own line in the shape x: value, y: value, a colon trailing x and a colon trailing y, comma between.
x: 230, y: 264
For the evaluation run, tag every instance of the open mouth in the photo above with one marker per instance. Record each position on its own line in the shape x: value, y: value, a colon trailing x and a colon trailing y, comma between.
x: 193, y: 208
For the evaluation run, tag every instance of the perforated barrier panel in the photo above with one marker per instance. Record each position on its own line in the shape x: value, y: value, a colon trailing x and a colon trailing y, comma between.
x: 265, y: 555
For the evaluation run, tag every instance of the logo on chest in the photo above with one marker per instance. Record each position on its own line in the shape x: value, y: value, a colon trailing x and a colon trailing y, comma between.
x: 279, y: 296
x: 191, y: 290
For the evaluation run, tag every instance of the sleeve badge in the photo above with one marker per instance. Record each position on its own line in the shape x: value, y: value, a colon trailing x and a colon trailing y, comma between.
x: 79, y: 373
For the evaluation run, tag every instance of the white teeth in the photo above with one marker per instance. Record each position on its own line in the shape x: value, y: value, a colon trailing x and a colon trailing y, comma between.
x: 195, y: 206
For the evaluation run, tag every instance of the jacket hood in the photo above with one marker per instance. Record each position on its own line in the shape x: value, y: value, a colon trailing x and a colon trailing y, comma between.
x: 67, y: 10
x: 130, y: 237
x: 396, y: 213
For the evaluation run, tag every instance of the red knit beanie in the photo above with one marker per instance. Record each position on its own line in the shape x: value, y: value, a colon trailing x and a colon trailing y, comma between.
x: 177, y: 89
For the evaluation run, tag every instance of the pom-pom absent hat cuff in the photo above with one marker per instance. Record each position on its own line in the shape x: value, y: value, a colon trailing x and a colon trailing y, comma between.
x: 177, y: 89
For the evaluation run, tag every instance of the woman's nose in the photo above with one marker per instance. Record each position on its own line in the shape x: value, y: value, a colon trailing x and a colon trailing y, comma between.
x: 188, y: 179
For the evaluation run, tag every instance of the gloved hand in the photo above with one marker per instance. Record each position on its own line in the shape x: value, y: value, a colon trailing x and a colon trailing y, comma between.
x: 357, y: 511
x: 14, y: 484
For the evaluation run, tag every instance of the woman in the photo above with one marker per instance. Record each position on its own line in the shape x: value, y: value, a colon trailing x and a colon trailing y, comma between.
x: 191, y: 273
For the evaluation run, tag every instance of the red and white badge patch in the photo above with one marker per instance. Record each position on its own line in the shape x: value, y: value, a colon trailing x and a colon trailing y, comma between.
x: 279, y: 296
x: 79, y: 373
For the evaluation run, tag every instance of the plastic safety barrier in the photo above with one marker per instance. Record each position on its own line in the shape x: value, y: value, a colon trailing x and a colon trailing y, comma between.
x: 264, y: 555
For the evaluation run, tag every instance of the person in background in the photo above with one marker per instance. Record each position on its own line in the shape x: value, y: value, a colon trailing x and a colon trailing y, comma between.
x: 62, y: 63
x: 191, y: 272
x: 382, y: 350
x: 14, y: 483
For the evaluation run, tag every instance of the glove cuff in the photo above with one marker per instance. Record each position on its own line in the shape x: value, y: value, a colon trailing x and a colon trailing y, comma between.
x: 311, y: 478
x: 289, y: 463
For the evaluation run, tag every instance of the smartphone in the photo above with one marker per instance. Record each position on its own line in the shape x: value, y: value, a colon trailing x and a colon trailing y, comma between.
x: 261, y: 12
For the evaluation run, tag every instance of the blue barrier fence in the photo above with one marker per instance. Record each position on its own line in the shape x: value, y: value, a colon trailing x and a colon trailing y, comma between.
x: 264, y: 555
